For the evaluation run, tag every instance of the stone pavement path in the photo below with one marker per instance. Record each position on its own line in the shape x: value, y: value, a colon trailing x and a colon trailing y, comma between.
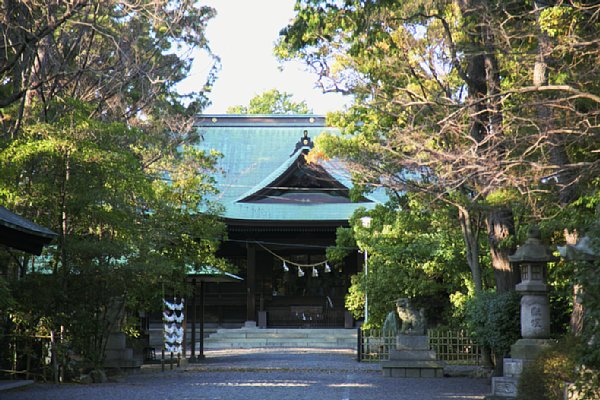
x: 264, y: 374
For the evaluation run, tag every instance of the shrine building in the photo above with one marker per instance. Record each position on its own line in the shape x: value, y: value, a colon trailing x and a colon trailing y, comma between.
x: 281, y: 213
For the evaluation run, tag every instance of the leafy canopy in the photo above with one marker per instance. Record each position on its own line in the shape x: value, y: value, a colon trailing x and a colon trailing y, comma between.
x: 271, y: 102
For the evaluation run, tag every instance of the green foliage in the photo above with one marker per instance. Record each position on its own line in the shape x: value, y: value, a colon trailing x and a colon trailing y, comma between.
x: 355, y: 298
x: 344, y: 246
x: 94, y: 145
x: 587, y: 382
x: 271, y: 102
x: 560, y: 295
x: 129, y: 223
x: 588, y: 276
x: 6, y: 298
x: 128, y: 73
x: 478, y: 105
x: 49, y: 301
x: 413, y: 252
x: 494, y: 320
x: 545, y: 377
x: 430, y: 116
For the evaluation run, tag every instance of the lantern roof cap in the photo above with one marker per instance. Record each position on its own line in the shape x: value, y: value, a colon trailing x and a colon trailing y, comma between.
x: 533, y: 250
x: 583, y: 250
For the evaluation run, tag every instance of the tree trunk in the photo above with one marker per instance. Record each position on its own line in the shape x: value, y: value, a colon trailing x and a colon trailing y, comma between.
x: 476, y: 68
x: 500, y: 226
x: 576, y: 322
x: 471, y: 238
x: 559, y: 158
x: 500, y: 219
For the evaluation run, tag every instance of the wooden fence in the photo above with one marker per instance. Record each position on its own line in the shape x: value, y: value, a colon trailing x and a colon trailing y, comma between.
x: 451, y: 346
x: 30, y: 357
x: 373, y: 346
x: 454, y: 346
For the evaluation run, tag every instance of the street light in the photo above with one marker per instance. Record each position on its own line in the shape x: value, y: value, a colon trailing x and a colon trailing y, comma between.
x: 366, y: 223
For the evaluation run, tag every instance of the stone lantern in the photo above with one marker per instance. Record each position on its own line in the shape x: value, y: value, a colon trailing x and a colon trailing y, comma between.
x: 533, y: 257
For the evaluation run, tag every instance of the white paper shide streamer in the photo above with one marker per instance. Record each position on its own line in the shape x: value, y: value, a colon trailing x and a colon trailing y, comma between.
x: 172, y: 330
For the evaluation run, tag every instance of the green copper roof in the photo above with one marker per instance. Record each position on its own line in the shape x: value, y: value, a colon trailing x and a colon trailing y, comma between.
x: 208, y: 273
x: 256, y: 150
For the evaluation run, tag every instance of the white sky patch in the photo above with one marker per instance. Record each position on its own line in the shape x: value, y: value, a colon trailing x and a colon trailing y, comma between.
x: 243, y: 35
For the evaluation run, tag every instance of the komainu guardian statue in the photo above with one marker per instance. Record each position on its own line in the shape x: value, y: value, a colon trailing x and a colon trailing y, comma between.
x: 413, y: 320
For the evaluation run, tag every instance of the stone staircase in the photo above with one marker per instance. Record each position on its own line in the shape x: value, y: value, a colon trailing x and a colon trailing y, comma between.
x: 245, y: 338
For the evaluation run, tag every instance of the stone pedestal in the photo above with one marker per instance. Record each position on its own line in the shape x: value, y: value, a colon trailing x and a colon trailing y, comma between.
x: 118, y: 355
x: 528, y: 349
x: 412, y: 359
x: 505, y: 387
x: 262, y: 319
x: 523, y: 352
x: 250, y: 324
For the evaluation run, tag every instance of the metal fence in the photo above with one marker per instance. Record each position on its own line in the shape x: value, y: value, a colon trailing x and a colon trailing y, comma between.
x: 451, y: 346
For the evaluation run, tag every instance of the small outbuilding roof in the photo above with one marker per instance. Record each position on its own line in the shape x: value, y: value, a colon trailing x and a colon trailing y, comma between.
x: 208, y: 273
x: 22, y: 234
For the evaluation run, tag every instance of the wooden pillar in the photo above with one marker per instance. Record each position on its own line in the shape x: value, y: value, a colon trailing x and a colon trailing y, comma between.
x: 251, y: 283
x: 201, y: 350
x: 193, y: 320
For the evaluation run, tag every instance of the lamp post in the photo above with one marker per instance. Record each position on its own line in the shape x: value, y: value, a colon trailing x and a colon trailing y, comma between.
x: 366, y: 223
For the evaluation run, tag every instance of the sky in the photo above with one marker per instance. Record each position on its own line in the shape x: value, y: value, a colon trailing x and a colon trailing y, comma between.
x: 243, y: 35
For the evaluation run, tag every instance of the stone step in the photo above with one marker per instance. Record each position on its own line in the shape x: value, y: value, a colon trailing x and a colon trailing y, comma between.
x: 300, y: 338
x: 275, y: 341
x: 418, y: 355
x: 412, y: 369
x: 301, y: 345
x: 286, y: 335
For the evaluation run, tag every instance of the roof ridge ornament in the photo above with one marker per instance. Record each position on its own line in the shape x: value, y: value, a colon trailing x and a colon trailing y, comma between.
x: 304, y: 142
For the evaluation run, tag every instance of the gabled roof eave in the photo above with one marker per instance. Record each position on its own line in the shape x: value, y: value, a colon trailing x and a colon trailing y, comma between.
x: 274, y: 176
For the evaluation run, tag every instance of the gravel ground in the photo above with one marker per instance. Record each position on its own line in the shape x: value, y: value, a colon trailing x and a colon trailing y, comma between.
x: 263, y: 374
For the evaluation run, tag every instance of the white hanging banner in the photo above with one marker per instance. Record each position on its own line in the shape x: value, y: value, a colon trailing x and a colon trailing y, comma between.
x: 173, y: 306
x: 170, y: 329
x: 173, y: 316
x: 177, y: 349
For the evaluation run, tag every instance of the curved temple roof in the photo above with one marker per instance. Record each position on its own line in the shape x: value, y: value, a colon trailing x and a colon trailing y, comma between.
x: 259, y: 151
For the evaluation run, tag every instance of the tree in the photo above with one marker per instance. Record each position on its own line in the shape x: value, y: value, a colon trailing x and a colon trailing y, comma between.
x: 96, y: 144
x: 124, y: 230
x: 445, y: 104
x: 271, y: 102
x: 123, y: 57
x: 415, y: 253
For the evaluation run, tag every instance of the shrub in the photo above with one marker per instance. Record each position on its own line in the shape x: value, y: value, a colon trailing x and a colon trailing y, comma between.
x: 494, y: 320
x: 545, y: 377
